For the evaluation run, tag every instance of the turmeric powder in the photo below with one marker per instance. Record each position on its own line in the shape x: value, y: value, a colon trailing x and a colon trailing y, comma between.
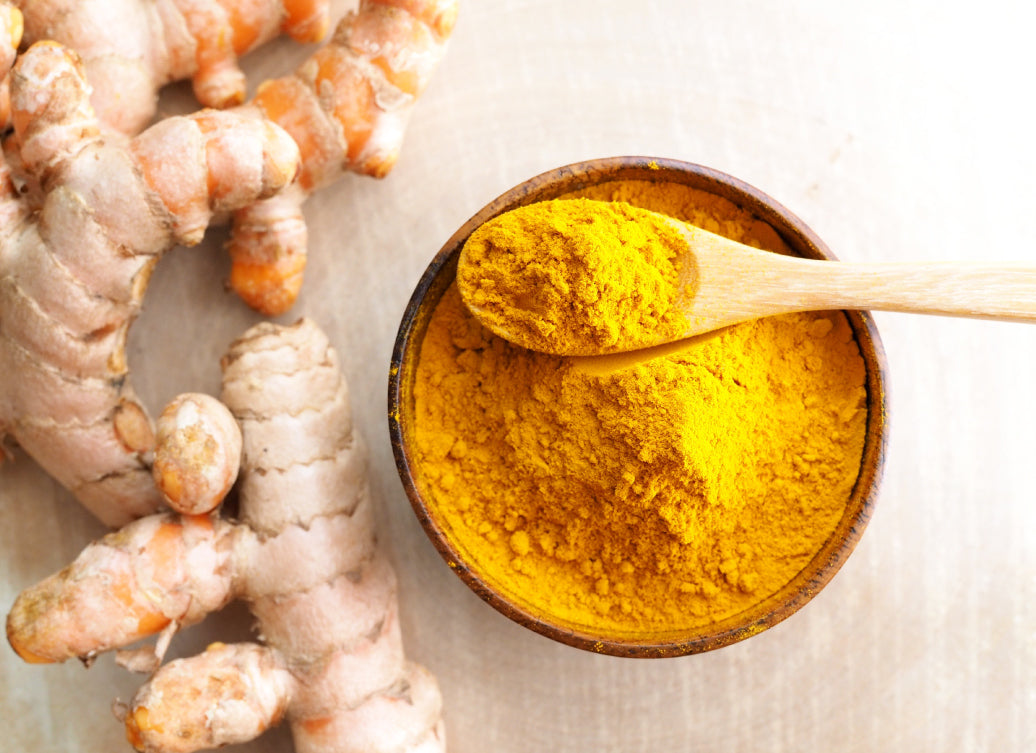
x: 643, y: 493
x: 594, y: 278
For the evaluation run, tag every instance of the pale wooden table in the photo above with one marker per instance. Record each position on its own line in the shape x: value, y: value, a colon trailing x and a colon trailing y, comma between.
x: 896, y: 130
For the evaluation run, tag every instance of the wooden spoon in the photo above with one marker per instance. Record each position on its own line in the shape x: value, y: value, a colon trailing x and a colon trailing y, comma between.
x: 722, y: 282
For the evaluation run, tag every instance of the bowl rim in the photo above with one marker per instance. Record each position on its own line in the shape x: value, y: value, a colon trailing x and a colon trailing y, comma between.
x: 833, y: 552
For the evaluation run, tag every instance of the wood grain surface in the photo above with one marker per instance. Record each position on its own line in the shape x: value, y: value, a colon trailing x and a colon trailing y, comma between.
x: 896, y: 130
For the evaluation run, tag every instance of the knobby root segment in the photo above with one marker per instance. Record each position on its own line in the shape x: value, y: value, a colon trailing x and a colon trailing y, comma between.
x: 347, y: 108
x: 86, y: 218
x: 197, y: 453
x: 129, y: 585
x: 86, y: 215
x: 131, y: 48
x: 303, y: 555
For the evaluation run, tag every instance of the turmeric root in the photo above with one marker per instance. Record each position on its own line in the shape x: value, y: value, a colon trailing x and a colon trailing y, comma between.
x: 12, y: 209
x: 131, y: 48
x: 76, y: 254
x: 127, y: 586
x: 305, y: 558
x: 347, y: 108
x: 12, y: 25
x: 197, y: 453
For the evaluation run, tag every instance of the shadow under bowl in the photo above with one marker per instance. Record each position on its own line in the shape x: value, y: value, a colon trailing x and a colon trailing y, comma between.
x: 768, y: 611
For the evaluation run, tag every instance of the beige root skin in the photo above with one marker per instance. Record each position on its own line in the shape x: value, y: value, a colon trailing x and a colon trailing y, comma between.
x: 347, y: 108
x: 131, y: 48
x: 334, y: 618
x: 76, y: 256
x: 305, y: 558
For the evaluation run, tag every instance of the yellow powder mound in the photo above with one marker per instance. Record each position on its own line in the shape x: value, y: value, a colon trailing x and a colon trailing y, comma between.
x: 638, y: 494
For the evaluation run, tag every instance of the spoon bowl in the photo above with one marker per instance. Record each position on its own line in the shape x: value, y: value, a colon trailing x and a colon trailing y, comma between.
x: 769, y: 609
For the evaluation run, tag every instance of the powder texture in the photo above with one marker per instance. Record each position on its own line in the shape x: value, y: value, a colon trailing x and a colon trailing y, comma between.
x: 637, y: 495
x: 576, y: 276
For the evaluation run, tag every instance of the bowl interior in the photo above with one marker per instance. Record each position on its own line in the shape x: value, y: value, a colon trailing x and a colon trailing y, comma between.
x: 801, y: 240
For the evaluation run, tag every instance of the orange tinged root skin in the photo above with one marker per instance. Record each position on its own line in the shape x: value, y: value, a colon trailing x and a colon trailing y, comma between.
x: 137, y: 726
x: 270, y: 289
x: 268, y: 254
x: 393, y: 41
x: 226, y: 694
x: 13, y: 23
x: 127, y: 586
x: 214, y: 161
x: 346, y: 108
x: 25, y: 654
x: 315, y: 725
x: 355, y: 108
x: 197, y: 453
x: 150, y: 624
x: 403, y: 39
x: 283, y: 101
x: 439, y: 15
x: 5, y: 103
x: 218, y: 82
x: 306, y: 21
x: 155, y: 43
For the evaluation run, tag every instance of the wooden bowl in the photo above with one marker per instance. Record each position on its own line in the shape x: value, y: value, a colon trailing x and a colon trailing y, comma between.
x: 765, y: 613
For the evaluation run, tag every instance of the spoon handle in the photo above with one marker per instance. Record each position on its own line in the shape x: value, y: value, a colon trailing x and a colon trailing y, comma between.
x: 730, y: 283
x: 974, y: 290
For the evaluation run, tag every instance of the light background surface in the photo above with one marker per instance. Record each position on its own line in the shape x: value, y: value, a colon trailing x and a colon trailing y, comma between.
x: 896, y: 130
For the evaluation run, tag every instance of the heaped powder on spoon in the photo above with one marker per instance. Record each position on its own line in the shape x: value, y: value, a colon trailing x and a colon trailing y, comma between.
x: 573, y: 276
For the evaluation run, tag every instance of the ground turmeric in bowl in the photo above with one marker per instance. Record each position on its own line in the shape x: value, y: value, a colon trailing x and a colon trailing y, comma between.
x: 643, y: 494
